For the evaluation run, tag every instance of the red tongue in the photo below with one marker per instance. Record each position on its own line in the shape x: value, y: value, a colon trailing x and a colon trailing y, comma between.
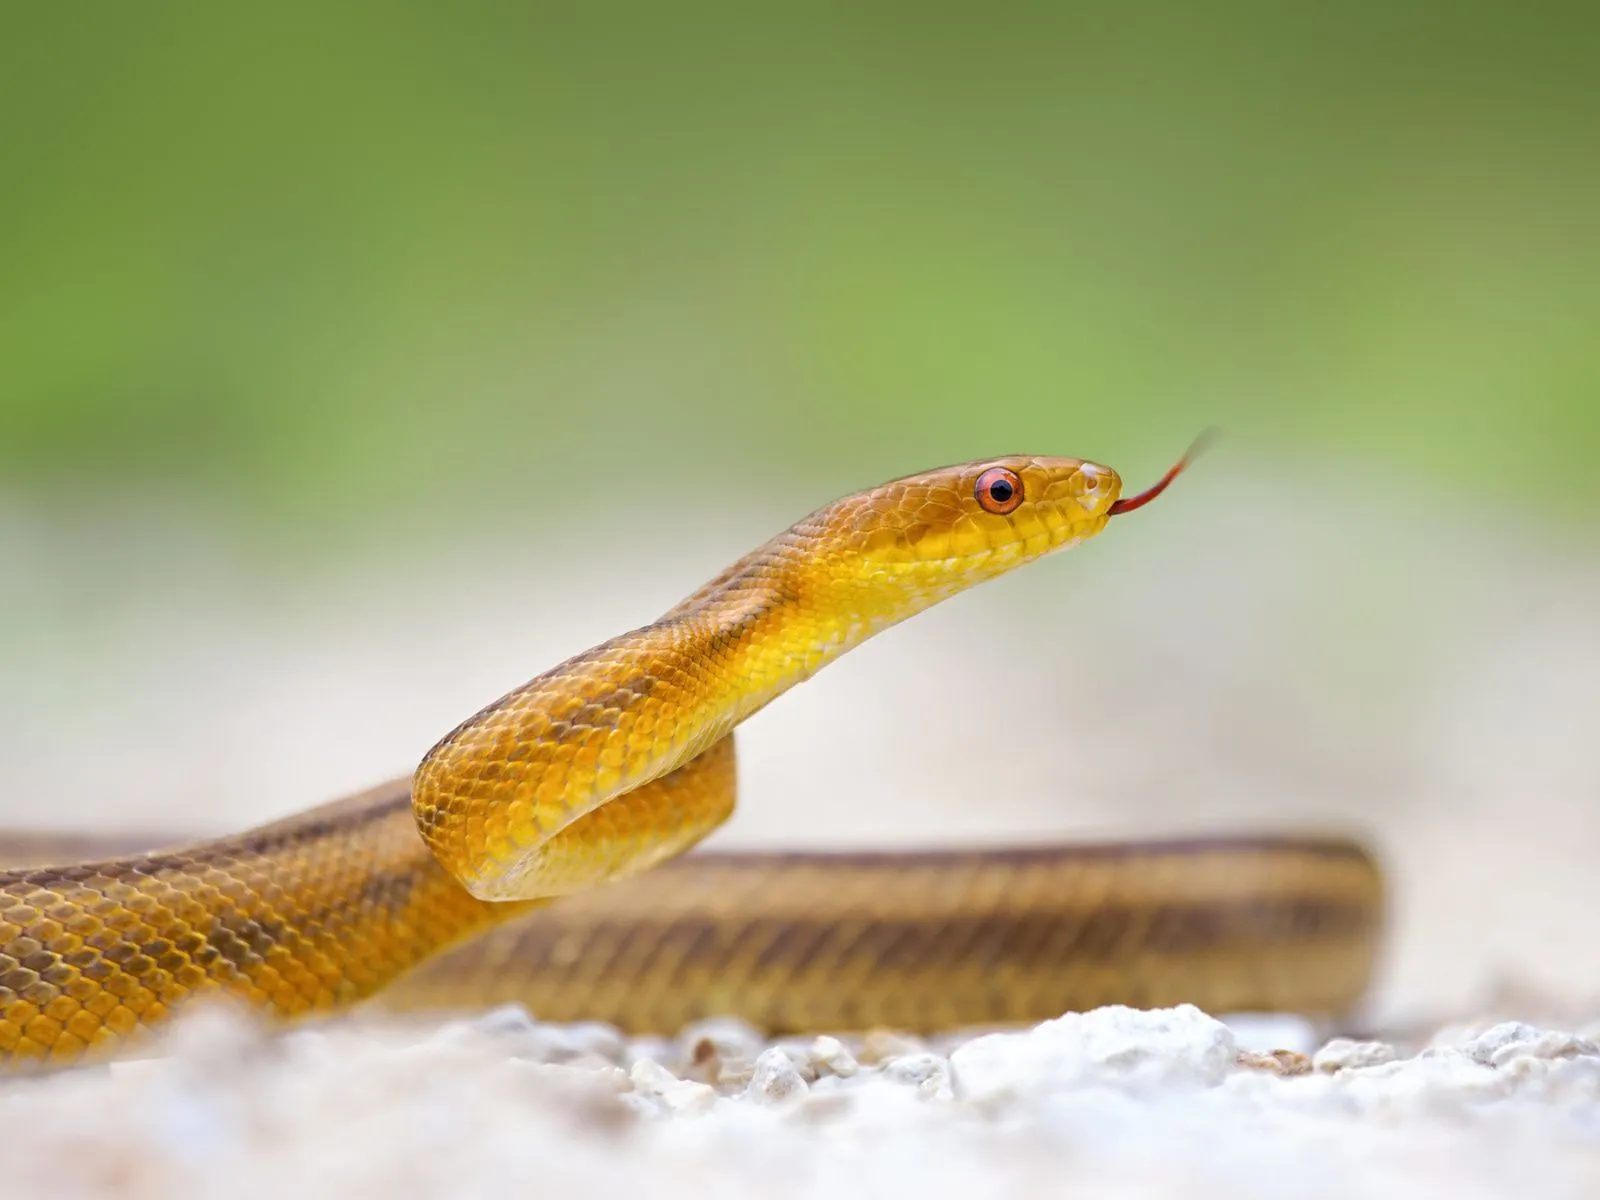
x: 1129, y: 503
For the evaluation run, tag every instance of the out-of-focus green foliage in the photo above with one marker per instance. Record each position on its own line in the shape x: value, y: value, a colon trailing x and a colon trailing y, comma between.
x: 331, y: 259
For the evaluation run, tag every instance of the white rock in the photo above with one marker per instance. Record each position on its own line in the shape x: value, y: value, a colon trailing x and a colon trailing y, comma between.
x: 829, y: 1056
x: 681, y: 1097
x: 1343, y: 1054
x: 1438, y: 1080
x: 799, y: 1052
x: 650, y: 1078
x: 775, y: 1081
x: 1117, y: 1046
x: 928, y: 1073
x: 1512, y: 1039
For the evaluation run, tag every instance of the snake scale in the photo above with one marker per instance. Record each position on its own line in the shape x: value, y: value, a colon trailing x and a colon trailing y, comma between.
x: 477, y: 879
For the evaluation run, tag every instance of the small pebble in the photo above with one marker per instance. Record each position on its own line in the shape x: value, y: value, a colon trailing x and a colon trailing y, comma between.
x: 1115, y: 1046
x: 682, y: 1097
x: 775, y: 1079
x: 1276, y: 1062
x: 705, y: 1062
x: 799, y: 1052
x: 828, y: 1054
x: 1512, y: 1039
x: 928, y: 1073
x: 1343, y: 1054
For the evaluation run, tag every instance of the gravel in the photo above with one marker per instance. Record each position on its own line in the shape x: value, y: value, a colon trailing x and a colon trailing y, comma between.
x: 1111, y: 1103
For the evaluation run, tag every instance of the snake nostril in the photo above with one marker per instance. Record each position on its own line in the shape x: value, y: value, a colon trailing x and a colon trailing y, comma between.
x: 1090, y: 486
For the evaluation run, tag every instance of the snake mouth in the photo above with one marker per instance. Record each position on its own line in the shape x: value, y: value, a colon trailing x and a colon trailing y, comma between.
x: 1129, y: 503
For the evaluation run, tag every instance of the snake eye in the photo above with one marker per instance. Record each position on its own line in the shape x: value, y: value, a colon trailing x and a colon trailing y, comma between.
x: 999, y: 490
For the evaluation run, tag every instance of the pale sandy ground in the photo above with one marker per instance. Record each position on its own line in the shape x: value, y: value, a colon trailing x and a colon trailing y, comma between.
x: 1307, y: 649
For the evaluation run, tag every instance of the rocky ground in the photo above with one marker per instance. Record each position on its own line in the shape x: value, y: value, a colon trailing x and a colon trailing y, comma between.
x: 1111, y: 1103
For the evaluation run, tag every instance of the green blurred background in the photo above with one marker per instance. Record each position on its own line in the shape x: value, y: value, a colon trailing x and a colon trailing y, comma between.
x: 325, y: 270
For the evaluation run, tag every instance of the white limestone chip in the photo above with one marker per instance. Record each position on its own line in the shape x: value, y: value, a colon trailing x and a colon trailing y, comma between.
x: 928, y: 1073
x: 1119, y: 1046
x: 830, y: 1057
x: 1344, y: 1054
x: 1512, y: 1040
x: 685, y: 1097
x: 775, y: 1080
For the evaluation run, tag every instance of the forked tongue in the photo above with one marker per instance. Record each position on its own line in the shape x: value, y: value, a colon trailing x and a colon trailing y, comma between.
x: 1129, y: 503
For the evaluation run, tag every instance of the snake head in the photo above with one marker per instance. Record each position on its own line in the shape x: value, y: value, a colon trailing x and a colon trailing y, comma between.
x: 896, y: 549
x: 934, y: 533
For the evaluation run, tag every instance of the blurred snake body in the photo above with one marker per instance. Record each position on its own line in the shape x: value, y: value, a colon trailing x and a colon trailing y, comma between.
x: 477, y: 880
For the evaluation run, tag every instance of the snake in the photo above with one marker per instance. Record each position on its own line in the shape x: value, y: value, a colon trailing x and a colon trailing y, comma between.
x: 544, y: 852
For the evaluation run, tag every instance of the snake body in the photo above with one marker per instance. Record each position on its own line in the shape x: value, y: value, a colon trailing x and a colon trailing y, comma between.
x: 435, y: 891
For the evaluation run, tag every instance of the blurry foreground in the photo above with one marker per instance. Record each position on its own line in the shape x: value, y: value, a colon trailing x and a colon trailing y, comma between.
x: 1115, y: 1103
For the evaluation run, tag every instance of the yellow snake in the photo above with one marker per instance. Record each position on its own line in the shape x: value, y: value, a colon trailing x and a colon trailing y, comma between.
x: 433, y: 891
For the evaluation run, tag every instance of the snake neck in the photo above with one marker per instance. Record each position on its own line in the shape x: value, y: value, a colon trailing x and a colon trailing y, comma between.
x: 784, y: 612
x: 635, y: 709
